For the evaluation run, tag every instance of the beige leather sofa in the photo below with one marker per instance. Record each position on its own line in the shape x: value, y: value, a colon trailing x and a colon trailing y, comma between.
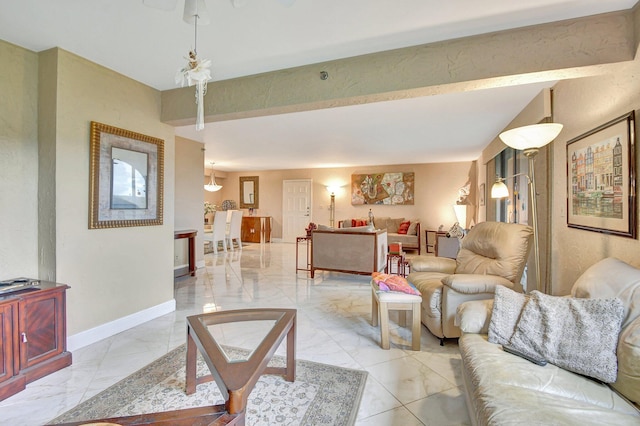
x: 355, y: 251
x: 503, y: 389
x: 492, y: 253
x: 410, y: 240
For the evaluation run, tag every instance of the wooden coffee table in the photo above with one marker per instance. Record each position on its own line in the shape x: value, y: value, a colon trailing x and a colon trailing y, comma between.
x: 236, y: 379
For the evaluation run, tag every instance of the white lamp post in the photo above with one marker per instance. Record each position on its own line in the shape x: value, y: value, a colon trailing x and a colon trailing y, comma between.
x: 529, y: 139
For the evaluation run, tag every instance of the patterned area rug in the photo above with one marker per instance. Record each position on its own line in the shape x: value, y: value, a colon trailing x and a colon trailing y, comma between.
x: 321, y: 394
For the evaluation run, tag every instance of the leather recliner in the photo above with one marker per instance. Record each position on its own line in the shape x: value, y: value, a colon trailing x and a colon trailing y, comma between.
x: 492, y: 253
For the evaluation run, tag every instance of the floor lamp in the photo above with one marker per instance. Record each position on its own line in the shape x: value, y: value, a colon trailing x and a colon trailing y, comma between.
x: 529, y: 139
x: 332, y: 206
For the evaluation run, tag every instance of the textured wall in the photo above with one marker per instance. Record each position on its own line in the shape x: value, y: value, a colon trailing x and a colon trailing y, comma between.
x: 112, y: 272
x: 18, y: 162
x: 581, y: 105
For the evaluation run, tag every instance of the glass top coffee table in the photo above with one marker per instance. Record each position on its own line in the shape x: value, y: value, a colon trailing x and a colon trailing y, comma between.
x: 237, y: 377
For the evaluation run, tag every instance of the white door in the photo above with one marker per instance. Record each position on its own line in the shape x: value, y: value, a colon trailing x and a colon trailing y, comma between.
x: 296, y: 208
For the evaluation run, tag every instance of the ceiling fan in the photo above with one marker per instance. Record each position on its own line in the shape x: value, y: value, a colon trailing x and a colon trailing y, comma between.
x: 199, y: 5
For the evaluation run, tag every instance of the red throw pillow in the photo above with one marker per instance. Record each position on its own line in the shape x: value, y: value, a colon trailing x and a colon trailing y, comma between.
x: 404, y: 227
x: 360, y: 222
x: 353, y: 223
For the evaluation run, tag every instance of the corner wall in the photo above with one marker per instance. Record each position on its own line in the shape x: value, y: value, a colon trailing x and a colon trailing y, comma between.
x: 18, y: 162
x: 113, y: 273
x: 581, y: 105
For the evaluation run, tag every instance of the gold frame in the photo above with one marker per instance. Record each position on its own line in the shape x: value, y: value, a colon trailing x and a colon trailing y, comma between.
x: 101, y: 215
x: 255, y: 180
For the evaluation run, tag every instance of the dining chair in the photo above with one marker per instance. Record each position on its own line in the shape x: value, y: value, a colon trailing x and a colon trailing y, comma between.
x: 235, y: 229
x: 219, y: 230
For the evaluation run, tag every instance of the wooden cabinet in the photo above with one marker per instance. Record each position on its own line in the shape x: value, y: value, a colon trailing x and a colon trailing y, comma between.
x: 256, y: 229
x: 34, y: 336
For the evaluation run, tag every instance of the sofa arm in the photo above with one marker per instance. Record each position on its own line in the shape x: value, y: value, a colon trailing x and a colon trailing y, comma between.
x: 473, y: 317
x: 433, y: 264
x: 475, y: 283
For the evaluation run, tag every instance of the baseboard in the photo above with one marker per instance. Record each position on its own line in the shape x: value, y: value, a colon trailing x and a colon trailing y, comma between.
x: 276, y: 240
x: 109, y: 329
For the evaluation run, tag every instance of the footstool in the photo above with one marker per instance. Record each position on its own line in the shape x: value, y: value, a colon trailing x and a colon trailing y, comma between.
x: 384, y: 301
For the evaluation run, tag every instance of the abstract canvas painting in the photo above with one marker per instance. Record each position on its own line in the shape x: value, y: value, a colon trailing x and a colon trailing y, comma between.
x: 382, y: 188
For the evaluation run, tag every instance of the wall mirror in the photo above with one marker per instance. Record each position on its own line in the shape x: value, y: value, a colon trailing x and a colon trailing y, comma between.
x: 249, y: 192
x: 126, y: 178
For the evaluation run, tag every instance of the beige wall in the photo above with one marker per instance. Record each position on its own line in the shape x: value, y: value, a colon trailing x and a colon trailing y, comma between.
x: 112, y: 272
x: 581, y: 105
x: 189, y: 212
x: 436, y: 191
x: 18, y: 162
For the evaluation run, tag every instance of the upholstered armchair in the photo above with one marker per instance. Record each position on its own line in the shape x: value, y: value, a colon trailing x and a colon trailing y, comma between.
x: 492, y: 253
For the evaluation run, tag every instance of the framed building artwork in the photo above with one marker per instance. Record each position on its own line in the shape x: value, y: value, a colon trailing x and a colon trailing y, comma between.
x: 601, y: 181
x: 126, y: 181
x: 382, y: 188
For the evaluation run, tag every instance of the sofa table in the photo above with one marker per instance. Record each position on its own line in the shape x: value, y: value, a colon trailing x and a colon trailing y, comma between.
x: 236, y: 379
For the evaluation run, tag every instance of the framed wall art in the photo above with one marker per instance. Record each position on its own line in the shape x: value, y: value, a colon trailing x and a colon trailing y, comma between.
x: 126, y: 183
x: 601, y: 181
x: 382, y: 188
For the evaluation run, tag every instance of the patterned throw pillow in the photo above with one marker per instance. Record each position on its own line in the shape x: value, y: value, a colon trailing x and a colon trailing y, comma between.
x: 579, y: 335
x: 404, y: 227
x: 389, y: 282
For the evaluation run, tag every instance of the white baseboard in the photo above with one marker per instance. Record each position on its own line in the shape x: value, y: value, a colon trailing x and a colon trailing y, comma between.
x: 85, y: 338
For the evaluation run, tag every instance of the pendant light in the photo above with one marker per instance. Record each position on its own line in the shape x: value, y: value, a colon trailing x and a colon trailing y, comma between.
x: 212, y: 186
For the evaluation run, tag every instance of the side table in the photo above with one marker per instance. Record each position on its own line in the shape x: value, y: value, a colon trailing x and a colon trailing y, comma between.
x: 307, y: 240
x: 397, y: 262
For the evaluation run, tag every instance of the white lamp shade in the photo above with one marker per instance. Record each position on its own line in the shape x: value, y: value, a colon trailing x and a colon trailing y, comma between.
x: 461, y: 214
x: 528, y: 137
x: 212, y: 188
x: 499, y: 190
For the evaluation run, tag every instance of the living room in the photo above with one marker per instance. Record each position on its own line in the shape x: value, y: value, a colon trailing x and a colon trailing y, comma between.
x: 123, y: 277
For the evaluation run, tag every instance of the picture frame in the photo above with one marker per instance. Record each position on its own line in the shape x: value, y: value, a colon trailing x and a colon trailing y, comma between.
x: 481, y: 194
x: 390, y: 188
x: 601, y: 179
x: 249, y: 192
x: 126, y: 178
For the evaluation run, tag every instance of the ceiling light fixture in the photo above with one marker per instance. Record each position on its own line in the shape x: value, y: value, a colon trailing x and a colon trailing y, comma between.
x: 197, y: 70
x: 212, y: 186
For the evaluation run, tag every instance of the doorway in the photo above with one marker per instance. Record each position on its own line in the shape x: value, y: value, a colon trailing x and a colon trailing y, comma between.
x: 296, y: 208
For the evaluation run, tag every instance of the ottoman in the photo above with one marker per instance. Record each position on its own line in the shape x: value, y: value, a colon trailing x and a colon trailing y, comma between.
x: 384, y: 301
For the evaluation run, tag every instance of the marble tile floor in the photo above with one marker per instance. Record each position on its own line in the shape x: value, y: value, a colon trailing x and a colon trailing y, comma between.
x: 334, y: 313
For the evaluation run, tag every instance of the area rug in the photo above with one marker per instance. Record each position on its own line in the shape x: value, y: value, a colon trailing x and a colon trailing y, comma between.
x: 321, y: 394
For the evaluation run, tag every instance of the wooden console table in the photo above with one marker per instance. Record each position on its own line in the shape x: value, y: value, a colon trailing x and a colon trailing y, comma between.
x: 236, y: 379
x: 191, y: 235
x: 33, y: 341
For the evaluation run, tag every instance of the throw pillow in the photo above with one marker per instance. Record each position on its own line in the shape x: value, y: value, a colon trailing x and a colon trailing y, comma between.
x: 579, y: 335
x: 404, y: 227
x: 507, y: 306
x: 389, y: 282
x: 413, y: 228
x: 394, y: 224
